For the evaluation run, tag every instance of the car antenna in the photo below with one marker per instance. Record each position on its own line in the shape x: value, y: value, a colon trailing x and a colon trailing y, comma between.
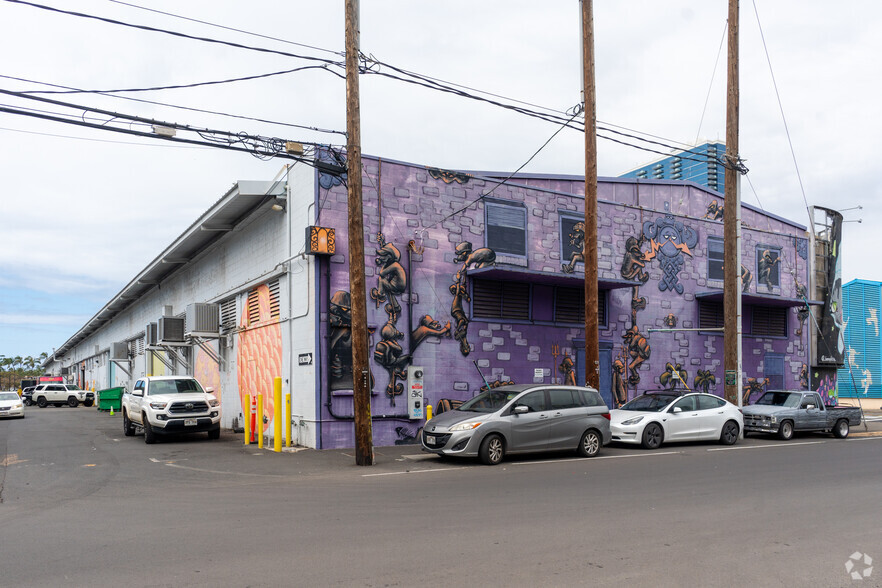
x: 486, y: 383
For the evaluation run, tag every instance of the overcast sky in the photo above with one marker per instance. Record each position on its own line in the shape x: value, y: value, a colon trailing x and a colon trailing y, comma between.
x: 84, y: 210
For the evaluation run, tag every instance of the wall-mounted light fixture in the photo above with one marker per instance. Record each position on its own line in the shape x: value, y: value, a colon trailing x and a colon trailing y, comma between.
x: 320, y: 241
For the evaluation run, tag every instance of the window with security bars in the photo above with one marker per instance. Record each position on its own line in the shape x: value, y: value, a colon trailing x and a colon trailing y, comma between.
x: 773, y: 369
x: 768, y: 321
x: 715, y: 254
x: 500, y: 300
x: 506, y: 228
x: 710, y: 315
x: 569, y: 306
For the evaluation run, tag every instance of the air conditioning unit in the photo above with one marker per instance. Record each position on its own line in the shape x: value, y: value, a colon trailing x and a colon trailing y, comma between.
x: 65, y: 371
x: 202, y: 318
x: 170, y: 330
x: 150, y: 335
x: 119, y: 351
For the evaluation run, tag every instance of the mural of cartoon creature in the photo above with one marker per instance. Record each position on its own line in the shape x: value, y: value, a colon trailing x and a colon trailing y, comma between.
x: 670, y: 321
x: 704, y: 379
x: 639, y: 351
x: 389, y: 354
x: 752, y: 386
x: 634, y: 261
x: 493, y: 385
x: 714, y: 211
x: 568, y: 368
x: 673, y: 377
x: 766, y: 264
x: 620, y: 392
x: 428, y: 327
x: 670, y: 240
x: 803, y: 377
x: 392, y: 279
x: 577, y: 240
x: 478, y: 258
x: 340, y: 340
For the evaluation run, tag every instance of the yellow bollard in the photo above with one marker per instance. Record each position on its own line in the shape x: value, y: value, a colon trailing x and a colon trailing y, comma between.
x: 288, y: 419
x: 277, y: 415
x: 260, y: 421
x: 428, y: 412
x: 246, y: 412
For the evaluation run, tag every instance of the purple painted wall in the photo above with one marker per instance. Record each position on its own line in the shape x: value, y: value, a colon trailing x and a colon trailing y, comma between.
x: 438, y: 212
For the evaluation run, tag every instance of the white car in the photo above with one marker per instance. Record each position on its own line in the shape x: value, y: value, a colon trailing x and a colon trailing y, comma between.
x: 664, y: 417
x: 11, y: 405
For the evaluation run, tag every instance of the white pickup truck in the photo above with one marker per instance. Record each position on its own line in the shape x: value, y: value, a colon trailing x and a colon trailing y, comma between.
x: 61, y: 394
x: 168, y: 405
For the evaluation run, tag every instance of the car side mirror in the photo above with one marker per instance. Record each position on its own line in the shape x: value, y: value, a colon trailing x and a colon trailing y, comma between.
x: 210, y: 390
x: 138, y: 393
x: 521, y: 409
x: 810, y: 406
x: 676, y: 410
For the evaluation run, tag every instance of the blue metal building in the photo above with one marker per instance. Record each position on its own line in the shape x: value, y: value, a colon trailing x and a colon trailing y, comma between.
x: 700, y: 164
x: 861, y: 376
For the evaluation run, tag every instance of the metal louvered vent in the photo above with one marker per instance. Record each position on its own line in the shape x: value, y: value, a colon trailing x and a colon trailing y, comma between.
x: 228, y: 314
x: 710, y: 315
x: 768, y: 321
x: 509, y: 300
x: 274, y: 299
x: 253, y: 307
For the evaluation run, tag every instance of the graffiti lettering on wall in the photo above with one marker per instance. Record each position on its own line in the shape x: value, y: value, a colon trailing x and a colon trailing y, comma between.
x: 463, y: 253
x: 670, y: 239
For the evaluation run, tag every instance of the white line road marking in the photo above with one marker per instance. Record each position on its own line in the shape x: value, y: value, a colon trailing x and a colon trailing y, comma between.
x: 596, y: 458
x: 784, y: 444
x: 412, y: 472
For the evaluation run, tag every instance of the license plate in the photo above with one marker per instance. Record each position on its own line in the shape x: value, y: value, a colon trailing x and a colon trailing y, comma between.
x: 430, y: 440
x: 189, y: 422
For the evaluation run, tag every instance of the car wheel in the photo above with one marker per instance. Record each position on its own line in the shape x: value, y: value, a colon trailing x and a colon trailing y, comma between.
x: 652, y: 436
x: 729, y: 434
x: 89, y: 402
x: 492, y: 450
x: 41, y: 402
x: 28, y: 402
x: 590, y: 444
x: 149, y: 435
x: 128, y: 427
x: 73, y: 402
x: 214, y: 433
x: 840, y: 431
x: 786, y: 431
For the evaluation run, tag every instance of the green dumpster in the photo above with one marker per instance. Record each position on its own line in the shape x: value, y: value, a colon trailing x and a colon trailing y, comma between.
x: 111, y: 398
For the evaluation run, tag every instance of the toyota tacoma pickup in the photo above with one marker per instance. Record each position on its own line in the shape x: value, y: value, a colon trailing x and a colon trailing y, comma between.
x: 168, y: 405
x: 61, y: 394
x: 784, y: 413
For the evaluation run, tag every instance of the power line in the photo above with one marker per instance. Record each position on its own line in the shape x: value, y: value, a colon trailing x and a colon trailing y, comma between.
x: 182, y: 86
x: 96, y: 140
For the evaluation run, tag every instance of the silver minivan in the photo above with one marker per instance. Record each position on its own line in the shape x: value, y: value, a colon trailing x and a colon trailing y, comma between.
x: 521, y: 419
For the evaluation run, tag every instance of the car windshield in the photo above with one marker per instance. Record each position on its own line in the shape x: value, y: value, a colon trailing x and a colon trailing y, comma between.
x: 487, y: 401
x: 174, y: 387
x: 8, y: 395
x: 650, y: 402
x: 786, y: 399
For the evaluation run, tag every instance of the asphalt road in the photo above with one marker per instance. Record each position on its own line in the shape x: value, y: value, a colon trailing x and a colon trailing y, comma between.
x: 84, y: 506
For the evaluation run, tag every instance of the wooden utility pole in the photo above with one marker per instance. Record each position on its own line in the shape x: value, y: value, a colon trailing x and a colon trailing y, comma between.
x: 592, y: 346
x: 732, y: 226
x: 364, y: 450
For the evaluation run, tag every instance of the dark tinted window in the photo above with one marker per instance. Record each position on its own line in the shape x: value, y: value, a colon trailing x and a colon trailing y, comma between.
x: 707, y: 402
x: 565, y: 399
x: 715, y: 254
x: 506, y: 228
x: 534, y: 400
x: 686, y: 404
x: 591, y: 398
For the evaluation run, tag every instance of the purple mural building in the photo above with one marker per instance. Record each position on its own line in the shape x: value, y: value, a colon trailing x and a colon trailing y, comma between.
x: 479, y: 283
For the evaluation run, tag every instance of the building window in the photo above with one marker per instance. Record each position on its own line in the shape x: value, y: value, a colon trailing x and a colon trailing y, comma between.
x: 715, y: 254
x: 768, y: 321
x: 768, y: 266
x: 572, y: 238
x: 506, y: 228
x: 710, y: 315
x: 500, y: 300
x: 569, y: 306
x: 773, y: 368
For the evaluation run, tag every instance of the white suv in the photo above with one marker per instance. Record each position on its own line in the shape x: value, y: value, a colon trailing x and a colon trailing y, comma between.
x: 61, y: 394
x: 170, y: 404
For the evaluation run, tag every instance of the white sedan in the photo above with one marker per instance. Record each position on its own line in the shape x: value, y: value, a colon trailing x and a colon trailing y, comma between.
x: 657, y: 417
x: 11, y: 405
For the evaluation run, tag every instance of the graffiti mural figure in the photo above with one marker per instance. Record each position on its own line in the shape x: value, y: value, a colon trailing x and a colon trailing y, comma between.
x: 803, y: 377
x: 670, y: 240
x: 389, y: 354
x: 670, y: 321
x: 746, y: 278
x: 634, y: 261
x: 428, y: 327
x: 753, y: 386
x: 673, y: 377
x: 340, y: 340
x: 478, y: 258
x: 714, y: 211
x: 620, y: 392
x: 766, y: 263
x: 638, y: 350
x: 392, y: 279
x: 577, y: 240
x: 704, y: 379
x: 568, y: 368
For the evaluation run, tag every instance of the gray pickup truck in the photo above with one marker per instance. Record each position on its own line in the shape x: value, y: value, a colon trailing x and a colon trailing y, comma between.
x: 784, y: 413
